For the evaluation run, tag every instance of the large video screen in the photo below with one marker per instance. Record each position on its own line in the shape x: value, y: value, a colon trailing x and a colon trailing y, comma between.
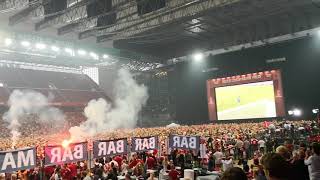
x: 246, y: 101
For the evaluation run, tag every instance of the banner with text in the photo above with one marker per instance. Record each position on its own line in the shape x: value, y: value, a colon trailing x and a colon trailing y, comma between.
x: 184, y: 142
x: 144, y: 143
x: 72, y: 153
x: 109, y: 148
x: 17, y: 160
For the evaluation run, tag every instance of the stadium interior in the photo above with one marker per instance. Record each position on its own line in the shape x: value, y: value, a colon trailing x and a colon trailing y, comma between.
x: 72, y: 52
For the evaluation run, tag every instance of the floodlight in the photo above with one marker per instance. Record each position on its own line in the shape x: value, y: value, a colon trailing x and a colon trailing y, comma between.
x: 25, y: 43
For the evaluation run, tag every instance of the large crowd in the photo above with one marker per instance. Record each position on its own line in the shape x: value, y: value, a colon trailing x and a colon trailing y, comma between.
x: 264, y: 150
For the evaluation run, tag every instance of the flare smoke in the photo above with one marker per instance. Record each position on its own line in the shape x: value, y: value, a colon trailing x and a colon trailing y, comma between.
x: 123, y: 113
x: 25, y: 102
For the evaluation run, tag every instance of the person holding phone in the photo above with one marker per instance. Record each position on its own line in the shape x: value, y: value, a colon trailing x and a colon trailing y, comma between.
x: 313, y: 162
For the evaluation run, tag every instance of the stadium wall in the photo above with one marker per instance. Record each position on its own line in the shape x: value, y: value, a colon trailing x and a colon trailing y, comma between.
x: 300, y: 76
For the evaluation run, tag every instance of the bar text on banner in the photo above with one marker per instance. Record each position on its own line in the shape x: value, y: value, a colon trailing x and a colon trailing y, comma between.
x: 60, y: 155
x: 109, y: 148
x: 184, y: 142
x: 144, y: 143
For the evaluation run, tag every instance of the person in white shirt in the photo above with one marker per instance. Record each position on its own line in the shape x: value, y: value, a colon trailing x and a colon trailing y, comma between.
x: 124, y: 167
x: 262, y: 145
x: 218, y: 157
x: 227, y: 163
x: 313, y: 162
x: 86, y: 175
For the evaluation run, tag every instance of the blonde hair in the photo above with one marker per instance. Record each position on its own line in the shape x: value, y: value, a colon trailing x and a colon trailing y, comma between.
x: 283, y: 151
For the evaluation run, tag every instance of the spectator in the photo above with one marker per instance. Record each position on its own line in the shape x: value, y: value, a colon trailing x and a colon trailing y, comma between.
x: 313, y: 162
x: 57, y: 174
x: 262, y: 145
x: 227, y: 163
x: 86, y: 175
x: 173, y: 174
x: 283, y: 151
x: 211, y: 163
x: 234, y: 173
x: 299, y: 169
x: 218, y: 158
x: 275, y: 167
x: 112, y: 174
x: 151, y: 163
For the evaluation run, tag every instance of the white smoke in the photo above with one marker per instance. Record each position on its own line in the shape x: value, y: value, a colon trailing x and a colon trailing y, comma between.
x: 25, y: 102
x: 123, y: 113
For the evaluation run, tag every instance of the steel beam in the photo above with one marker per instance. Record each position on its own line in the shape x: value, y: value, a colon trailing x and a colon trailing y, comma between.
x: 8, y: 5
x: 69, y: 15
x: 33, y: 10
x: 84, y: 24
x: 176, y: 13
x: 76, y: 14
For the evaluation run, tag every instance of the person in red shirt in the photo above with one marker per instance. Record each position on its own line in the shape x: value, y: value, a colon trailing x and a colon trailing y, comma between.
x: 151, y: 162
x: 134, y: 161
x: 66, y: 173
x: 118, y: 159
x: 173, y: 174
x: 73, y: 169
x: 48, y: 171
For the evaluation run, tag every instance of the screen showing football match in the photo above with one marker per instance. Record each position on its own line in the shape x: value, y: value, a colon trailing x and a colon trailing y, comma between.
x: 247, y: 96
x: 246, y: 101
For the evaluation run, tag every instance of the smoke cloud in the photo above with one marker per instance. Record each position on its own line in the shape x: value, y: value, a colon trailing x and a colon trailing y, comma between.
x: 129, y: 98
x: 27, y: 102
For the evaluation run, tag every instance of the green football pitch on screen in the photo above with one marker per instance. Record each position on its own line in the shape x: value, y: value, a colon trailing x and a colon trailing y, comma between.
x: 246, y: 101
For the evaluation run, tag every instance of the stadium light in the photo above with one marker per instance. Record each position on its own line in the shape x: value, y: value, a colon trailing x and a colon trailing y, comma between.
x: 105, y: 56
x: 82, y: 52
x: 55, y: 48
x: 25, y: 43
x: 198, y: 56
x: 315, y: 111
x: 290, y: 112
x: 41, y: 46
x: 68, y: 50
x: 297, y: 112
x: 94, y: 55
x: 7, y: 41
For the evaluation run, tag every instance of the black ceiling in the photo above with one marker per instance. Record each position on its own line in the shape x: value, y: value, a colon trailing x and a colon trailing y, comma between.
x: 234, y: 24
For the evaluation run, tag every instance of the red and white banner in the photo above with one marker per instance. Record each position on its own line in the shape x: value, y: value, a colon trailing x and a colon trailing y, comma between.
x: 59, y: 154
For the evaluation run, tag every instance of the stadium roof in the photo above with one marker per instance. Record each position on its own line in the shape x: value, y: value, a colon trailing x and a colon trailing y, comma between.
x: 162, y: 29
